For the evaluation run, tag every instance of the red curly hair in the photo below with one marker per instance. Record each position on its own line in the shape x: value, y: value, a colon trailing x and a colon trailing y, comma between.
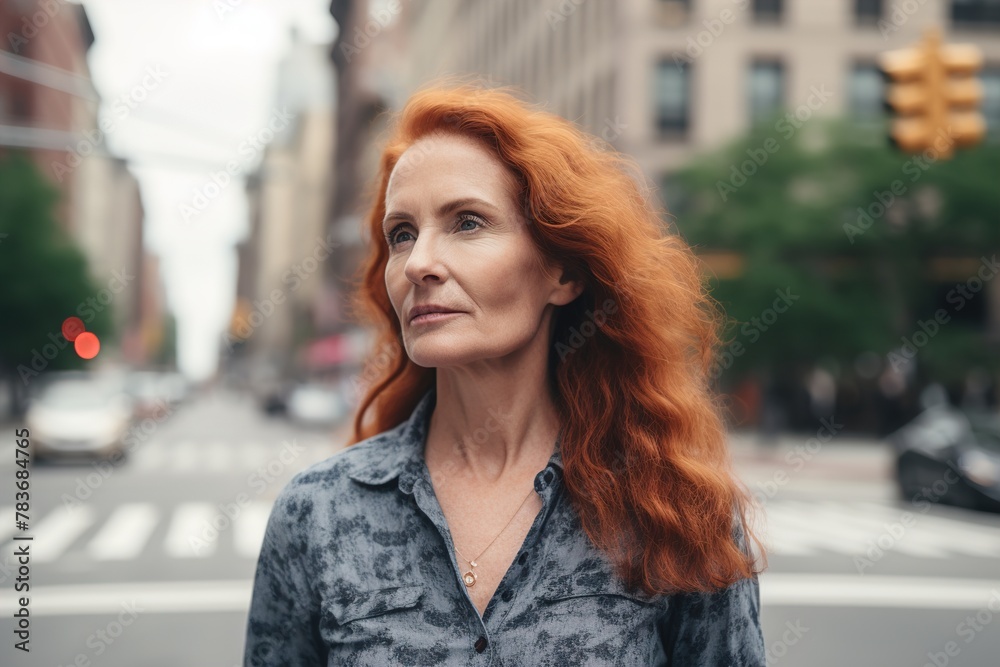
x: 644, y: 449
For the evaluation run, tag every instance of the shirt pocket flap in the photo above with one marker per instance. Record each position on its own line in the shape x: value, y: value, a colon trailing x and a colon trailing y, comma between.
x: 366, y: 604
x: 603, y: 583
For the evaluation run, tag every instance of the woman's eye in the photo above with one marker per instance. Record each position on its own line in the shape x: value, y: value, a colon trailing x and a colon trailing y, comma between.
x: 393, y: 237
x: 470, y: 218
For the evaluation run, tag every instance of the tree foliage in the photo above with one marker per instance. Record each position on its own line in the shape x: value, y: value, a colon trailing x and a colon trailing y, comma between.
x: 44, y: 277
x: 867, y: 238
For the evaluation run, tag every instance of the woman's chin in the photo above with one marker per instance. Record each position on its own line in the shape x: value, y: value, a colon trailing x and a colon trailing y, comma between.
x: 433, y: 355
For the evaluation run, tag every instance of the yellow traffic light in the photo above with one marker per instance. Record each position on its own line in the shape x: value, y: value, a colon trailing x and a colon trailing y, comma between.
x: 935, y: 95
x: 238, y: 321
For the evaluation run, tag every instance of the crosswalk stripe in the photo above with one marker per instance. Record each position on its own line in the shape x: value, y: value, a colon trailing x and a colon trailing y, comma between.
x: 191, y: 534
x: 249, y: 529
x: 124, y: 534
x: 184, y: 455
x: 963, y: 537
x: 781, y: 539
x: 795, y: 528
x: 218, y: 456
x: 253, y: 455
x: 148, y: 456
x: 58, y: 529
x: 798, y: 528
x: 908, y: 535
x: 807, y: 528
x: 861, y: 533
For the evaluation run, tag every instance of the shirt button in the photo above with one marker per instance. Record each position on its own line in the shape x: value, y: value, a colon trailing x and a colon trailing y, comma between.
x: 480, y: 644
x: 548, y: 475
x: 507, y: 595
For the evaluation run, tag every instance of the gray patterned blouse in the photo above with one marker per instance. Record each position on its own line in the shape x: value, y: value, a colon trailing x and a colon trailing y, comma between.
x: 356, y: 569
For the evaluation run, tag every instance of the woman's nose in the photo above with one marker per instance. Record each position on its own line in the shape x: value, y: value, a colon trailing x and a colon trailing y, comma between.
x: 424, y: 259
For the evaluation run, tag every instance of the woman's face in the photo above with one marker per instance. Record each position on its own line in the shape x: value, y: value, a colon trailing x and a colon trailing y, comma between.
x: 457, y: 239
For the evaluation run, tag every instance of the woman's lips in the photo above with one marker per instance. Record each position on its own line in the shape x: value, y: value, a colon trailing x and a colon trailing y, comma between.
x: 427, y: 318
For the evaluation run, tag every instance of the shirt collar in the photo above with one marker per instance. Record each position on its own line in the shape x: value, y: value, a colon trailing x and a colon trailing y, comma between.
x: 399, y: 452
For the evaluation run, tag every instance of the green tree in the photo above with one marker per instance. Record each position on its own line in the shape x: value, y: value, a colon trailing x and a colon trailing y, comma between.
x: 44, y: 277
x: 852, y: 228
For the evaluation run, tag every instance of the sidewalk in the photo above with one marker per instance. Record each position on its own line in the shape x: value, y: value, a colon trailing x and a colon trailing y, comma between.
x: 842, y: 466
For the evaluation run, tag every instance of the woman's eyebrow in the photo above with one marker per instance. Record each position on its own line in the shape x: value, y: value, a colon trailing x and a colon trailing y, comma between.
x: 442, y: 211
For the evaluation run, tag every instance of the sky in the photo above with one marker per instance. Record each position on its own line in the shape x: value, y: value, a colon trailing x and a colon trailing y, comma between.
x: 190, y: 86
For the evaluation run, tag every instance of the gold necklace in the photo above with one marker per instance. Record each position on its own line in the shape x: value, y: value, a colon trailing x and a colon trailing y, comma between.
x: 470, y: 577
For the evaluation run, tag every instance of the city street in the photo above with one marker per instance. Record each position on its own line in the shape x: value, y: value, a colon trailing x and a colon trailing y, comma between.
x: 145, y: 536
x: 150, y: 564
x: 857, y: 577
x: 216, y: 218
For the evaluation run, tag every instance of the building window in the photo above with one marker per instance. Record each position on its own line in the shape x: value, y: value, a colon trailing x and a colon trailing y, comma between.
x: 672, y: 97
x: 990, y: 79
x: 767, y: 11
x: 867, y: 12
x: 976, y: 12
x: 673, y: 12
x: 865, y: 92
x: 765, y: 89
x: 673, y: 195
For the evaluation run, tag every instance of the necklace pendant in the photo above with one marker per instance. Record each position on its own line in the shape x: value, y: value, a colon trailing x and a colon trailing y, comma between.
x: 469, y: 578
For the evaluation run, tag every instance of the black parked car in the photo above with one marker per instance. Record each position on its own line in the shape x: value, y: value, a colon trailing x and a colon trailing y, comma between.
x: 950, y: 456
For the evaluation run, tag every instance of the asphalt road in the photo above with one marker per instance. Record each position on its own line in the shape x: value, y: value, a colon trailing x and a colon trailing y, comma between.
x: 149, y: 564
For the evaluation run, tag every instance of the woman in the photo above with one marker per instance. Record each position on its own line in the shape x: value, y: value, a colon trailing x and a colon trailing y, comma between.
x: 543, y: 479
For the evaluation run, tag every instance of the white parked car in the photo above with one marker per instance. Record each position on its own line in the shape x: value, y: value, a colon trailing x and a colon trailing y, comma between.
x: 79, y: 415
x: 316, y: 404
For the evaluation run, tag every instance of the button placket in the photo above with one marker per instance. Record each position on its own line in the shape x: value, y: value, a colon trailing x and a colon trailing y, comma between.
x: 423, y: 493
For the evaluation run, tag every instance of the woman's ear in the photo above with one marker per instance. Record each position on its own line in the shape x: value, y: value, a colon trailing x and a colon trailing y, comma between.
x: 570, y: 286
